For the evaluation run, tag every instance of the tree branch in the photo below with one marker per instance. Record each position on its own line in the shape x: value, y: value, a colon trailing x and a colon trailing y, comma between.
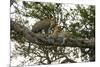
x: 41, y: 39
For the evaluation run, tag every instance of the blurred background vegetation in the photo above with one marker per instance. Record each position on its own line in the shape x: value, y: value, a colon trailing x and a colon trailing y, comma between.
x: 75, y: 18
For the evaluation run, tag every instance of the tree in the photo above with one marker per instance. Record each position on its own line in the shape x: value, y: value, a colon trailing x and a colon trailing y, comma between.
x: 78, y: 20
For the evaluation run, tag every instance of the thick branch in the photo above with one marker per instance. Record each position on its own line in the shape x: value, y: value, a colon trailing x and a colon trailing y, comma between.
x: 41, y: 39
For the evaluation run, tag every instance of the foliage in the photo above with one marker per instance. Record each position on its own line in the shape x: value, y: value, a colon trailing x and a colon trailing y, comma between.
x: 80, y: 21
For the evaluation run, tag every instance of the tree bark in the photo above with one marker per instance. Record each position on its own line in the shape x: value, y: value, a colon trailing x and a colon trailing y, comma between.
x: 41, y: 39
